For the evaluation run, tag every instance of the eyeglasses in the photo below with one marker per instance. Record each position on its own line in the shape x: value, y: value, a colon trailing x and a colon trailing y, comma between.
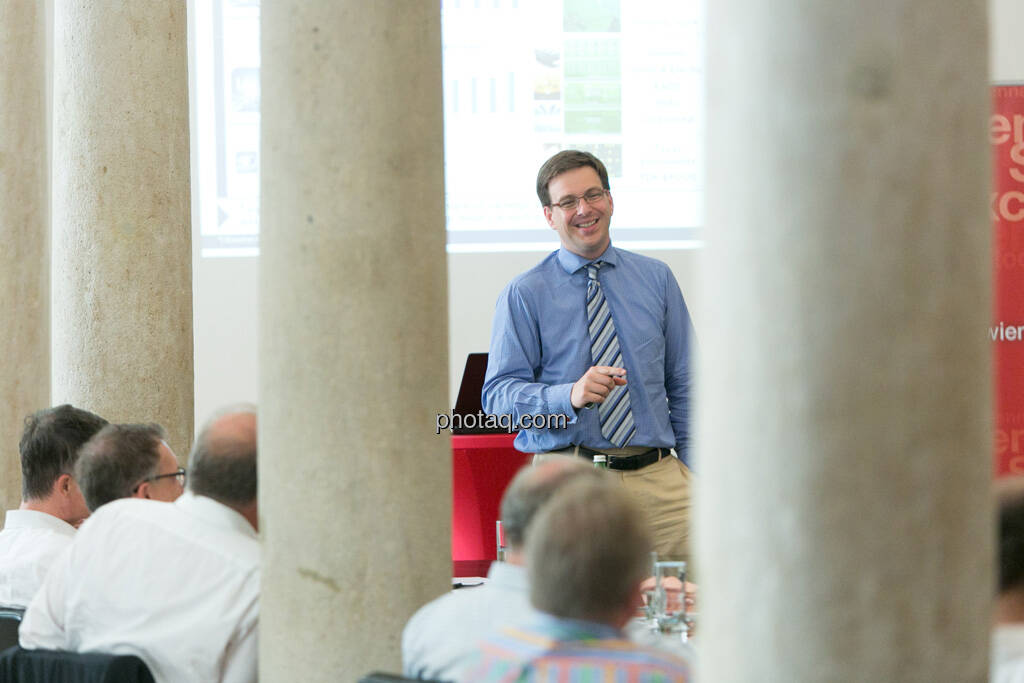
x: 591, y: 196
x: 178, y: 474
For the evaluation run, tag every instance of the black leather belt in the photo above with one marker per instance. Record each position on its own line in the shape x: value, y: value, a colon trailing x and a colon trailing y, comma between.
x: 626, y: 462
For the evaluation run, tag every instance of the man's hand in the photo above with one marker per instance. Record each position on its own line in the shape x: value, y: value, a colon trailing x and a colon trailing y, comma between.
x: 595, y: 385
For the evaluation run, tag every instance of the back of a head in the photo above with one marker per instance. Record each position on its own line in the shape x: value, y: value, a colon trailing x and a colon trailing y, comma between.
x: 222, y: 464
x: 1010, y: 494
x: 587, y: 551
x: 116, y: 460
x: 533, y: 486
x: 50, y: 445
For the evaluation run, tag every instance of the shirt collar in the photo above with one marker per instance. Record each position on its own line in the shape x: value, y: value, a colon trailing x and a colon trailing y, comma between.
x: 508, y: 575
x: 561, y: 628
x: 1007, y: 642
x: 571, y: 262
x: 216, y: 513
x: 35, y: 519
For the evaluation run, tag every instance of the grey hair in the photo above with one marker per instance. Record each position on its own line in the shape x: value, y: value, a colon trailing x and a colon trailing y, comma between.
x: 532, y: 487
x: 587, y: 552
x: 222, y: 465
x: 117, y: 459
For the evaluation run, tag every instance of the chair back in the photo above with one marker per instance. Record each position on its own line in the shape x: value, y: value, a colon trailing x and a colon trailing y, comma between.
x: 10, y: 620
x: 55, y: 666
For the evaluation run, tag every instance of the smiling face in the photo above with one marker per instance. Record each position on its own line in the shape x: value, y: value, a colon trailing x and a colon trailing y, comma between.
x: 584, y: 230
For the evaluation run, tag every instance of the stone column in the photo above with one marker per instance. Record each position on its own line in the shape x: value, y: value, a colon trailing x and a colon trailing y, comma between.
x: 122, y: 257
x: 355, y: 490
x: 845, y: 526
x: 24, y: 257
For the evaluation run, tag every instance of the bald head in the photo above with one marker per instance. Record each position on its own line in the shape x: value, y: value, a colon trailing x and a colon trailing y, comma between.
x: 232, y: 427
x: 532, y: 487
x: 222, y: 464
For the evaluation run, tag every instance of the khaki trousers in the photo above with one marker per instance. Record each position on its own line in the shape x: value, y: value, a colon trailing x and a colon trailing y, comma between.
x: 662, y: 492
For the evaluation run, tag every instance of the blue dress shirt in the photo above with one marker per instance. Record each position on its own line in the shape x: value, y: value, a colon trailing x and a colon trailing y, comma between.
x: 540, y: 346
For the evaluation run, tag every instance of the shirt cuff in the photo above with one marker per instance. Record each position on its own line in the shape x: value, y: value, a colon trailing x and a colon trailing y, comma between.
x: 560, y: 400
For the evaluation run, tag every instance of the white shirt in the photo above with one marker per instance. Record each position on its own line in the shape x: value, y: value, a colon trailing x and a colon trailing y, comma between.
x: 440, y: 641
x: 1008, y: 654
x: 175, y: 583
x: 29, y: 545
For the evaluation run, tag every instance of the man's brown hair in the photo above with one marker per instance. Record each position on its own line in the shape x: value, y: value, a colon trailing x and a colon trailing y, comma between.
x: 567, y: 160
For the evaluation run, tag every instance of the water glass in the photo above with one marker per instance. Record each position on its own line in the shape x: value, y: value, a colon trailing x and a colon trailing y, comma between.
x: 669, y: 600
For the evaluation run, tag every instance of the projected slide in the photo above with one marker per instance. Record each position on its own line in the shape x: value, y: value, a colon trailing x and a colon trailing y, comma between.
x: 623, y: 80
x: 522, y: 80
x: 227, y: 58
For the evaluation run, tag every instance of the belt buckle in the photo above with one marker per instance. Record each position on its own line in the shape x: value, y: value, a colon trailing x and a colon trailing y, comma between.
x: 635, y: 460
x: 622, y: 463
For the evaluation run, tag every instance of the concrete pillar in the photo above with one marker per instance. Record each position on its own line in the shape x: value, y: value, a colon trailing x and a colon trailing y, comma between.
x: 122, y: 257
x: 355, y: 489
x: 844, y: 430
x: 24, y: 256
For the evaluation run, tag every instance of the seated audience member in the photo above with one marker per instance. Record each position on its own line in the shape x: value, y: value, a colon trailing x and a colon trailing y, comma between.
x: 441, y: 638
x: 587, y: 553
x: 1008, y: 635
x: 129, y: 461
x: 52, y: 505
x: 176, y: 584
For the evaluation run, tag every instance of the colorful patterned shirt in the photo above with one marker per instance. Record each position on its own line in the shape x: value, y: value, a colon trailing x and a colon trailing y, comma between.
x: 555, y: 650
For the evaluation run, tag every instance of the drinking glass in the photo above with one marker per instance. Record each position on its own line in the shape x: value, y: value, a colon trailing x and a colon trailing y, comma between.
x: 670, y: 602
x: 650, y: 596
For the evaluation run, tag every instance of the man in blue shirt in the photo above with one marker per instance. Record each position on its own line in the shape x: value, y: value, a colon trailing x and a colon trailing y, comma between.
x: 600, y: 335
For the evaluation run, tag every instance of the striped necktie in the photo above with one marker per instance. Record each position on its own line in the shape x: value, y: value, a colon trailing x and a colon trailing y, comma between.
x: 615, y: 413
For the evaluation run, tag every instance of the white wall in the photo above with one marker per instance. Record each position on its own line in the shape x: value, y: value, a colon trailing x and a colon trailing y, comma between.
x: 224, y: 310
x: 225, y: 316
x: 1006, y: 51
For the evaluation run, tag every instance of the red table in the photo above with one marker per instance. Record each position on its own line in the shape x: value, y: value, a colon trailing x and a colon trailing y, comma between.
x: 482, y: 466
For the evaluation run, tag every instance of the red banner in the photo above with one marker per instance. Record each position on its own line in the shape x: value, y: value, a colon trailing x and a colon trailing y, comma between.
x: 1006, y: 207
